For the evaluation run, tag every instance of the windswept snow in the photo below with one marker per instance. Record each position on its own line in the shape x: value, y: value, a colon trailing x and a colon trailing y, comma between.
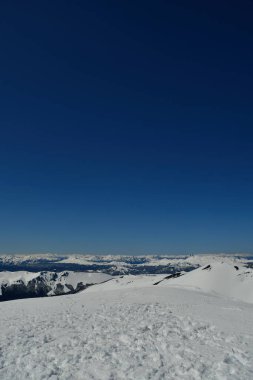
x: 222, y: 278
x: 127, y: 328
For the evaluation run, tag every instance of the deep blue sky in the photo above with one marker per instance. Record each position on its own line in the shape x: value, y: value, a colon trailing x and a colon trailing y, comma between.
x: 126, y: 126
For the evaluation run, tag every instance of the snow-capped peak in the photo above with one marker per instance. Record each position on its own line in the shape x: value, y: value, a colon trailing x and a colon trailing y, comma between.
x: 219, y: 277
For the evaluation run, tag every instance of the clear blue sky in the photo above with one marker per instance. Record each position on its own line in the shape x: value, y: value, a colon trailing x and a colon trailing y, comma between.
x: 126, y: 126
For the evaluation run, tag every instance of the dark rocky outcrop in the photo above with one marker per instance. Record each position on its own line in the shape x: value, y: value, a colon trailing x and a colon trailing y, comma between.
x: 45, y: 284
x: 208, y: 267
x: 174, y: 275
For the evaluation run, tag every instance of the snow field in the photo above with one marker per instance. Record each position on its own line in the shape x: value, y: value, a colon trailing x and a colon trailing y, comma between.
x: 220, y: 278
x: 116, y: 341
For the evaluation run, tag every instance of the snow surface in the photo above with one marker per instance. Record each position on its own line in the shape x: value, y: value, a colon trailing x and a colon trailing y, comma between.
x: 222, y: 278
x: 127, y: 328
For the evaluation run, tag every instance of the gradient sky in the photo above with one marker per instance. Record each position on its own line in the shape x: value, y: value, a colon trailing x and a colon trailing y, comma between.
x: 126, y: 126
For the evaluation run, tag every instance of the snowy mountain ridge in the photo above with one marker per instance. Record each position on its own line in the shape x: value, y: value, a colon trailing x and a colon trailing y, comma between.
x: 220, y: 277
x: 23, y: 284
x: 116, y: 265
x: 128, y: 328
x: 228, y: 278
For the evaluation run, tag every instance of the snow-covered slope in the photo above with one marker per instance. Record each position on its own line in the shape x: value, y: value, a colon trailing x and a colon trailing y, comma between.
x: 127, y: 329
x: 27, y: 284
x: 223, y: 278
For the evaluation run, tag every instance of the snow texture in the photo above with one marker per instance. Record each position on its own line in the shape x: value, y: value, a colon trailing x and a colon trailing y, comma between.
x: 127, y: 328
x: 221, y: 278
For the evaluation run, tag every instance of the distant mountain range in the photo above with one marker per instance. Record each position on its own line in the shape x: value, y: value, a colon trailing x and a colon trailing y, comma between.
x: 115, y: 265
x: 51, y: 275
